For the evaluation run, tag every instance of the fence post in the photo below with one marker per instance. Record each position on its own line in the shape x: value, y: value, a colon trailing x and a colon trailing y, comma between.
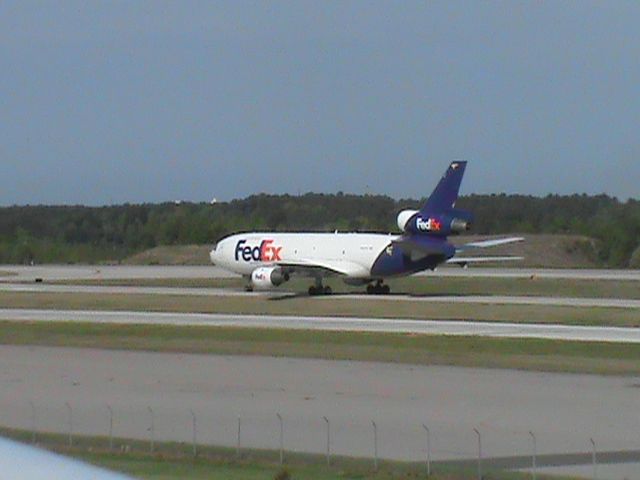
x: 593, y: 459
x: 238, y: 442
x: 533, y: 457
x: 281, y: 438
x: 428, y: 449
x: 33, y: 422
x: 328, y: 440
x: 70, y: 420
x: 195, y: 437
x: 151, y: 431
x: 375, y: 445
x: 110, y: 427
x: 479, y: 453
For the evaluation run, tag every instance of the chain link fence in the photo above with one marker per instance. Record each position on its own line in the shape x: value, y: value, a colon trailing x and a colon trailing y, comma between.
x: 282, y: 433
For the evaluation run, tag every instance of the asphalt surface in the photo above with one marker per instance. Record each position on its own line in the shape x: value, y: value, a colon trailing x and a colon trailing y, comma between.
x: 80, y: 272
x: 132, y: 290
x: 506, y: 300
x: 563, y: 410
x: 431, y: 327
x: 220, y: 292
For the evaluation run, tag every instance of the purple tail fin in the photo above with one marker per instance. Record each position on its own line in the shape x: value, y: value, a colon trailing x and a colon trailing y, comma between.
x: 444, y: 196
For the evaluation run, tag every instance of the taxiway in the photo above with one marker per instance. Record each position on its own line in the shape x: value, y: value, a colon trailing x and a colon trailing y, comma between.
x: 384, y: 325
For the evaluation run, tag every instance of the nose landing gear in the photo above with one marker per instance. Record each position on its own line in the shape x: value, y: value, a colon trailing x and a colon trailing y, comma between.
x: 378, y: 289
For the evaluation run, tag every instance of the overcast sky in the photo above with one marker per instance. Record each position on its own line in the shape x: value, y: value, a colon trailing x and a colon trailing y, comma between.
x: 131, y: 101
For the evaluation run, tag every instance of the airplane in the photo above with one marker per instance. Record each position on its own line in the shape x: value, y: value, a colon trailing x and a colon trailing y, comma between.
x: 268, y: 260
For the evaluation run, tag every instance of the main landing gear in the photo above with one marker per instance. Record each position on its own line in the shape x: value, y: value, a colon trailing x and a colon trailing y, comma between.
x: 378, y: 289
x: 319, y: 289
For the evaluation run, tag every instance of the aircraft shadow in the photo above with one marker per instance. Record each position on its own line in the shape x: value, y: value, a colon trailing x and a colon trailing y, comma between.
x: 346, y: 295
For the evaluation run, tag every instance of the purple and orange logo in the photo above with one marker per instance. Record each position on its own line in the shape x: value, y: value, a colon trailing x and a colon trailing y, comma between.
x: 265, y: 252
x: 429, y: 225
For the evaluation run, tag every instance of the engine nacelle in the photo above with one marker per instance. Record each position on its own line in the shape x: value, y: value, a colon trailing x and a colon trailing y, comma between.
x: 452, y: 223
x: 403, y: 217
x: 264, y: 278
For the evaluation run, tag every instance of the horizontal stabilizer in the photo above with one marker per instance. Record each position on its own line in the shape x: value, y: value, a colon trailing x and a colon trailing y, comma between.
x: 466, y: 260
x: 489, y: 243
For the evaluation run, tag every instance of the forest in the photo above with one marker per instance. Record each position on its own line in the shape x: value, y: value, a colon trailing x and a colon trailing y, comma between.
x: 81, y: 234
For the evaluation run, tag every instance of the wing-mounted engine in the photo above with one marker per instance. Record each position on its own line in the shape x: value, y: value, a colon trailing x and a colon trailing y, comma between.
x: 453, y: 222
x: 265, y: 278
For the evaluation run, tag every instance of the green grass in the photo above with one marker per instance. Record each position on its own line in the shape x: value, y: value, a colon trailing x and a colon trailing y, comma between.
x: 168, y: 468
x: 422, y: 285
x: 175, y: 461
x: 335, y: 306
x: 526, y: 354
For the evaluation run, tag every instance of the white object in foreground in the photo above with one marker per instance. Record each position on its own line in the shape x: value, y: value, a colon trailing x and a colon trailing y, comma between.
x: 19, y: 461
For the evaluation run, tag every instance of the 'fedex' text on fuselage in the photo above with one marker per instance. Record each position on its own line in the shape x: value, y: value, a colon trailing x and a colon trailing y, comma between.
x: 265, y: 252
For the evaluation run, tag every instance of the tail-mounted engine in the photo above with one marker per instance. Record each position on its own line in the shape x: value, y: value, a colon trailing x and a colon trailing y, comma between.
x: 453, y: 222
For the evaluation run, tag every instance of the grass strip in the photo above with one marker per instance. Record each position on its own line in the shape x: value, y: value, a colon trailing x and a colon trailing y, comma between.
x: 303, y: 305
x: 171, y: 460
x: 525, y: 354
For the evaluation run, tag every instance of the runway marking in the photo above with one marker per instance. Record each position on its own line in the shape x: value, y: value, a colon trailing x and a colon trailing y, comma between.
x: 358, y: 324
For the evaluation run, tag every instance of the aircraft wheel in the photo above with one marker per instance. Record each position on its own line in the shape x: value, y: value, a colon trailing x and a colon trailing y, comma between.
x: 327, y: 290
x: 312, y: 290
x: 385, y: 289
x: 248, y: 288
x: 370, y: 289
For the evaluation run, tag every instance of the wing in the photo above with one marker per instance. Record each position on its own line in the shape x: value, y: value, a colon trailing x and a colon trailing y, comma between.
x: 489, y: 243
x: 325, y: 267
x: 464, y: 261
x: 418, y: 248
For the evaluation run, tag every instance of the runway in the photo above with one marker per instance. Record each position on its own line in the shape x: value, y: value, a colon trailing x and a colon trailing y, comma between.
x: 563, y: 410
x: 505, y: 300
x: 133, y: 290
x: 428, y: 327
x: 84, y: 272
x: 227, y: 292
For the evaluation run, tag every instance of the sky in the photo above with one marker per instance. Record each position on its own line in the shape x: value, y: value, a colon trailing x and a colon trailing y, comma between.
x: 106, y: 102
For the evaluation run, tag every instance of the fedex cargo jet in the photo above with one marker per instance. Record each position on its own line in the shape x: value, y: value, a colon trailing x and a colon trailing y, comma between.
x: 268, y: 260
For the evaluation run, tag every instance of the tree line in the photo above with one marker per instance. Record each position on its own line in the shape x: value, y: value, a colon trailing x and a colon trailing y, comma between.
x: 45, y: 234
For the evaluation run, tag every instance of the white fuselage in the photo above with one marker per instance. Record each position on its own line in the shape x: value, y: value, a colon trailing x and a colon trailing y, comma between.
x: 354, y: 252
